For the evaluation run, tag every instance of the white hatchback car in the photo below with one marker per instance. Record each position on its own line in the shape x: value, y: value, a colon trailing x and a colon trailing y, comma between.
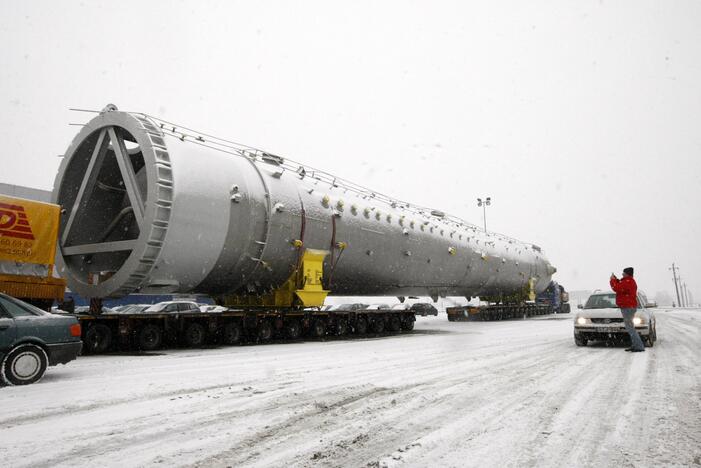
x: 601, y: 319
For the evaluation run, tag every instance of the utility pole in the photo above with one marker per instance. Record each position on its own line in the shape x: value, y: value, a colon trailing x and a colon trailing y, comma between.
x: 686, y: 297
x: 484, y: 204
x: 676, y: 288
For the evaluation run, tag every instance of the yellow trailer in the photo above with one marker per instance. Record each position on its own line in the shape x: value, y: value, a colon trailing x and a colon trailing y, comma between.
x: 28, y: 235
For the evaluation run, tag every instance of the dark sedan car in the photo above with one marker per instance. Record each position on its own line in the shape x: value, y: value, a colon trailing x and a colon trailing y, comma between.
x: 423, y: 309
x: 32, y: 339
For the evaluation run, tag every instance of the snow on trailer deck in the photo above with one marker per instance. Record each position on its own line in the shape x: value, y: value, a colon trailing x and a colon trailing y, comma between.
x: 514, y: 393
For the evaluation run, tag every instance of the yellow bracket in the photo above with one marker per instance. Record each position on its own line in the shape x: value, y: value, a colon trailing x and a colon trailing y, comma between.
x: 311, y: 292
x: 303, y: 288
x: 531, y: 289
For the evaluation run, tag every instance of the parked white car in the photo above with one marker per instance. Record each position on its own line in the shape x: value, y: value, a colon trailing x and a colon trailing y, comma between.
x: 173, y: 307
x: 601, y: 319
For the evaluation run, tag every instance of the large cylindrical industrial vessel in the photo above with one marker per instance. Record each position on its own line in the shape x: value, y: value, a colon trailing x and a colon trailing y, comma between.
x: 153, y: 207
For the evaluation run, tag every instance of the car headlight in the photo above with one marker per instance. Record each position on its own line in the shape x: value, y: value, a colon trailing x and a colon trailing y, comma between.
x: 581, y: 321
x: 638, y: 321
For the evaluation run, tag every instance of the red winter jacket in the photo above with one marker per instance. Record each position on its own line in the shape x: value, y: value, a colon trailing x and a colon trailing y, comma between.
x: 626, y: 292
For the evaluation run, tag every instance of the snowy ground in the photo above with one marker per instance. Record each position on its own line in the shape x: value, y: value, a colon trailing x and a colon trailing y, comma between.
x: 516, y: 393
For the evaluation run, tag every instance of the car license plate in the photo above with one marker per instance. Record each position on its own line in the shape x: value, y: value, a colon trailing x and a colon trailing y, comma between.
x: 609, y: 329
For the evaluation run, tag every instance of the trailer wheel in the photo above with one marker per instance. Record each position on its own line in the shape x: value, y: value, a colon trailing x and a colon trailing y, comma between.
x: 24, y: 365
x: 341, y: 326
x: 150, y: 337
x: 265, y: 330
x: 232, y: 333
x: 293, y: 329
x: 378, y: 324
x: 361, y: 325
x: 318, y: 328
x: 97, y: 339
x: 395, y: 323
x: 408, y: 322
x: 194, y: 335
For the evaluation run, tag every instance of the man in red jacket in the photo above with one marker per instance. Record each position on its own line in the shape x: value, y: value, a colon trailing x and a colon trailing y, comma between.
x: 627, y: 300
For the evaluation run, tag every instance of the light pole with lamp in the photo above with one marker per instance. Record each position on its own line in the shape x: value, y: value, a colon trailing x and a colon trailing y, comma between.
x: 484, y: 204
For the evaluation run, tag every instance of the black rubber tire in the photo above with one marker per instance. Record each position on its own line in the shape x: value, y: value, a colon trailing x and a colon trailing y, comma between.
x: 150, y: 337
x: 97, y: 339
x: 341, y: 327
x: 264, y: 330
x: 194, y: 335
x: 378, y: 324
x: 394, y: 324
x: 24, y: 365
x: 408, y: 323
x: 232, y: 333
x: 293, y: 329
x: 318, y: 328
x: 649, y: 340
x: 361, y: 326
x: 580, y: 341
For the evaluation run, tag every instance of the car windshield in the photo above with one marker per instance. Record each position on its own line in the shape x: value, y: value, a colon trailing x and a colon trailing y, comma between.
x: 601, y: 301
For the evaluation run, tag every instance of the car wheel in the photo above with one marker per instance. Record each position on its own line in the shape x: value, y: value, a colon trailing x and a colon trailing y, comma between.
x: 194, y: 335
x: 24, y: 365
x: 232, y: 333
x: 150, y: 337
x: 650, y: 338
x: 580, y: 340
x: 97, y: 339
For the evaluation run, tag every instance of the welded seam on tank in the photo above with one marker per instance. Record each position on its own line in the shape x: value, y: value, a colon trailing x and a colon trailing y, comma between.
x: 268, y: 216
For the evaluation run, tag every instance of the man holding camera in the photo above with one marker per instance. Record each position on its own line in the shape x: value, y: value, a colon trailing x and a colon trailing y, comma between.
x: 626, y: 290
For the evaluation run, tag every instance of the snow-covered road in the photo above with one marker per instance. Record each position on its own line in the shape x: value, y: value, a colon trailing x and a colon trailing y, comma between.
x: 514, y: 393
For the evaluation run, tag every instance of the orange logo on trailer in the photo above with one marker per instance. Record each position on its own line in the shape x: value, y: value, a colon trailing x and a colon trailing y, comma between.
x: 14, y: 222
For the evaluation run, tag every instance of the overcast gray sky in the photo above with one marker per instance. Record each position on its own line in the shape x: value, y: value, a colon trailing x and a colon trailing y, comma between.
x: 581, y: 119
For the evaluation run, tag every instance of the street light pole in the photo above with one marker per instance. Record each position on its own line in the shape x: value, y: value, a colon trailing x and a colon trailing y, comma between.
x: 676, y: 288
x: 484, y: 204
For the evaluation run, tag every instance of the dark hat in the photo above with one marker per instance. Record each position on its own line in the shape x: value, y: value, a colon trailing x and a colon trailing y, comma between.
x: 628, y: 271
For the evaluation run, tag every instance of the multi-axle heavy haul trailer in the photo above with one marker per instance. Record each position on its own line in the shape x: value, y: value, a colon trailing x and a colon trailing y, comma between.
x: 151, y: 331
x: 553, y: 300
x: 153, y: 207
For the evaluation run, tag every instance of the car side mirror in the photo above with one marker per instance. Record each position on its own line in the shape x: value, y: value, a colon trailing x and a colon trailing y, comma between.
x: 580, y: 306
